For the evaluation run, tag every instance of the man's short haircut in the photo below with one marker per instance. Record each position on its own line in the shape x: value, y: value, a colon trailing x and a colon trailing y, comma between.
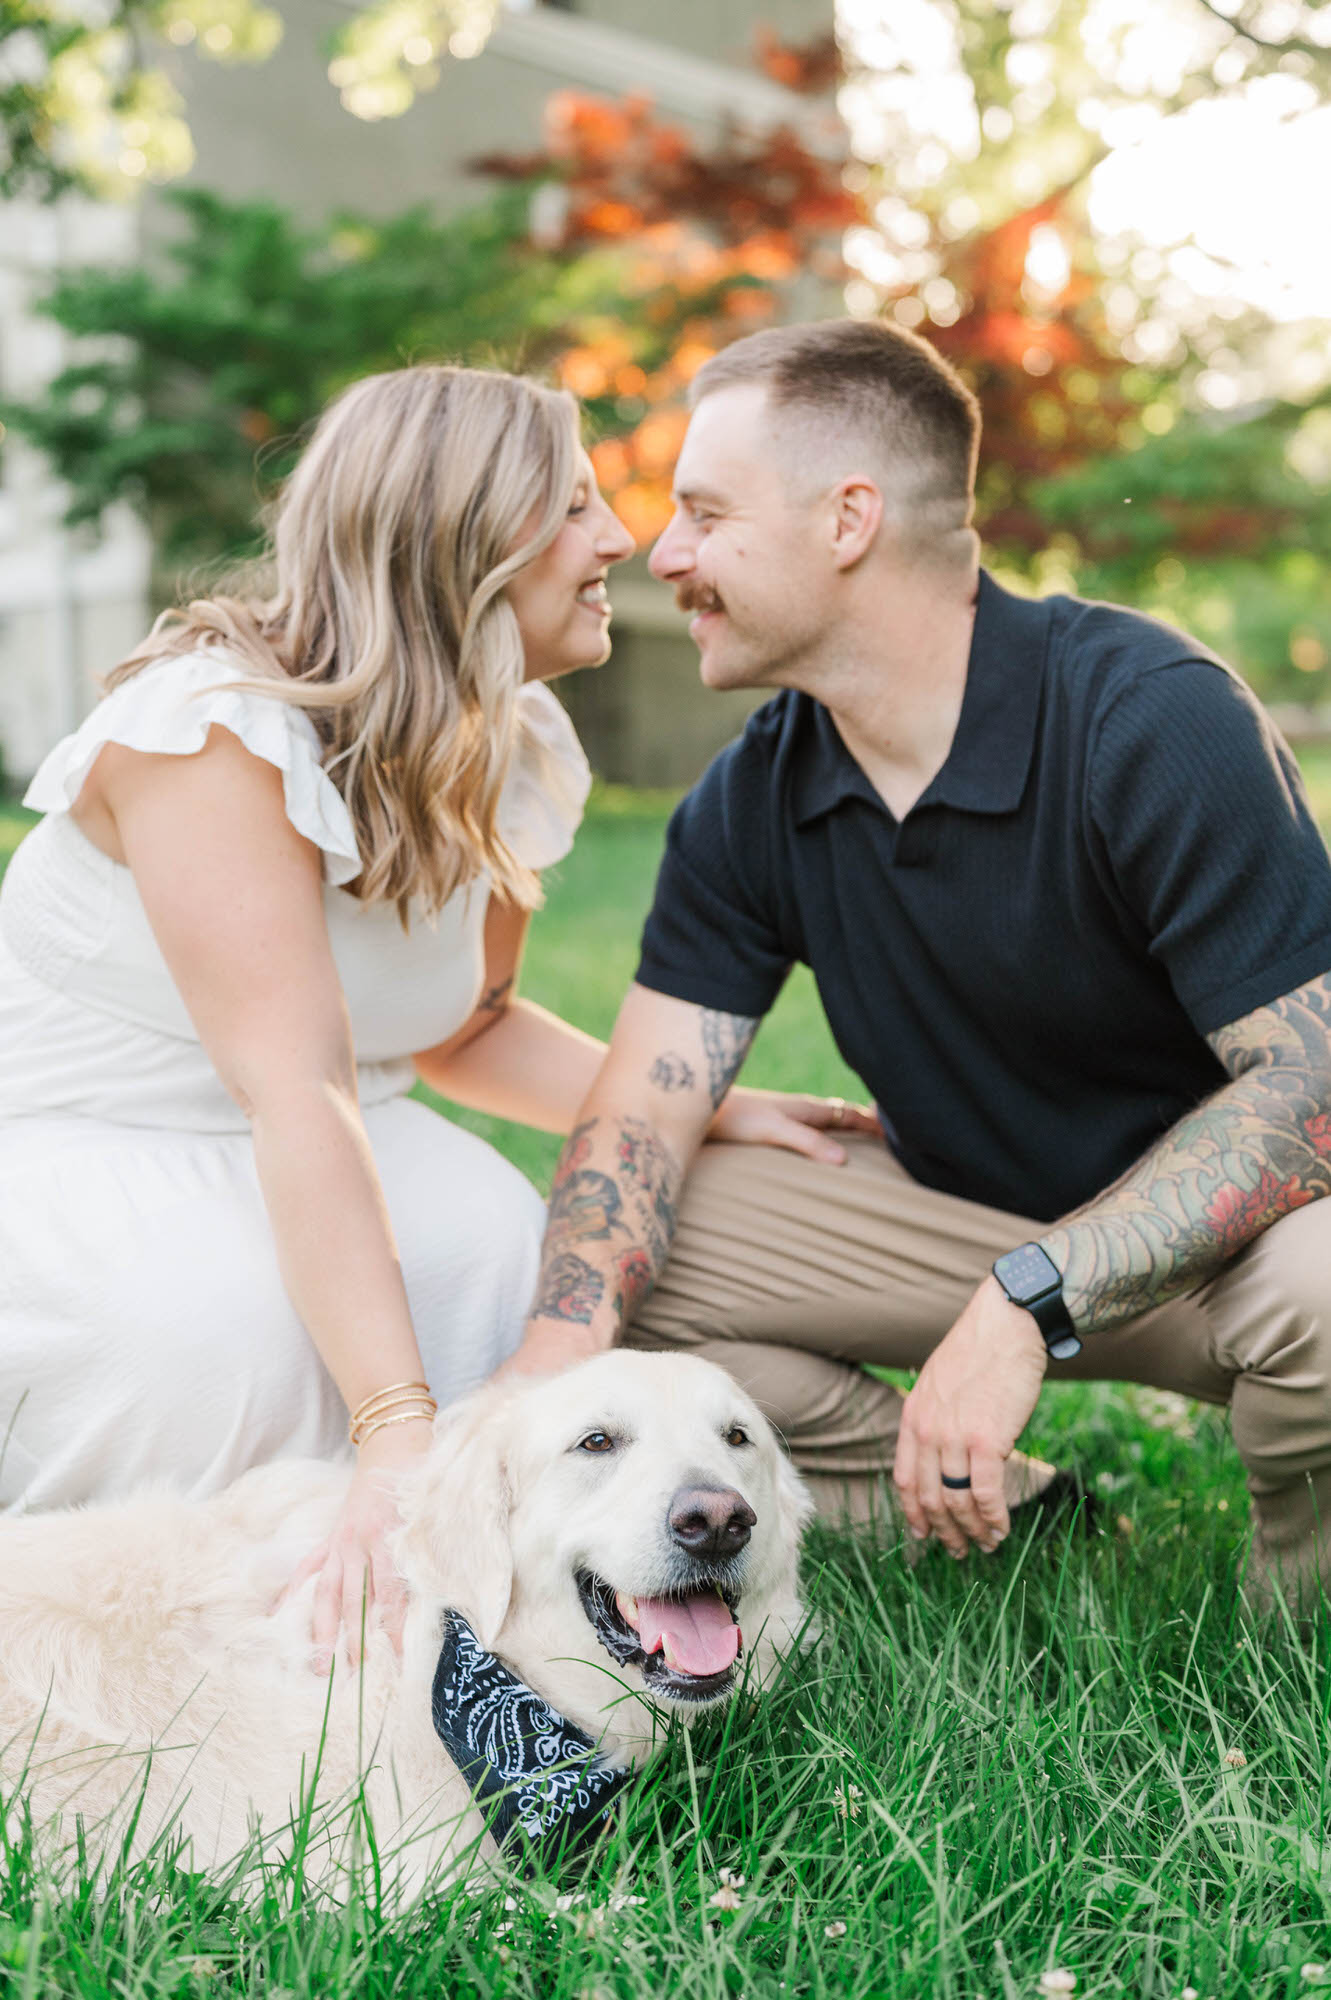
x: 863, y: 390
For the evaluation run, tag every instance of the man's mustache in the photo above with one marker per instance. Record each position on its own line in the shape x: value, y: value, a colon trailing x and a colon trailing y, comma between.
x: 693, y: 597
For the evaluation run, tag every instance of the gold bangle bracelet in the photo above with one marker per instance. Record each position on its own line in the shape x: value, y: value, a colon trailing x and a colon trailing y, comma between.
x: 386, y: 1403
x: 367, y: 1405
x: 417, y: 1401
x: 368, y: 1430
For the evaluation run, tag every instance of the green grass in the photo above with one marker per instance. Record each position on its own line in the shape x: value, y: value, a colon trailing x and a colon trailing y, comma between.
x: 1031, y: 1747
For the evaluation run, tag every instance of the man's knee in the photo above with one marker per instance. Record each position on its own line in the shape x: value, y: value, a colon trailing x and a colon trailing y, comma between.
x: 1274, y: 1309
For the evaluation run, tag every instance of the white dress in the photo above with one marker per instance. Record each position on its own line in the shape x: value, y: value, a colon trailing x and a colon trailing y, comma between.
x: 144, y: 1328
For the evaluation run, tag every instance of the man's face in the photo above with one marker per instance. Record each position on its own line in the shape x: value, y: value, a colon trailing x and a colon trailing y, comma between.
x: 743, y: 552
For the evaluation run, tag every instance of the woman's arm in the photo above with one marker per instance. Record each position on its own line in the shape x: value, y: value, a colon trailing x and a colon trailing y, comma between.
x: 516, y: 1060
x: 512, y: 1058
x: 235, y: 899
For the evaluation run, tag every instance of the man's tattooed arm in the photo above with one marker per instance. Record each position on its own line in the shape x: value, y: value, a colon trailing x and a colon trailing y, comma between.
x: 1256, y: 1150
x: 726, y: 1040
x: 612, y: 1214
x: 616, y: 1188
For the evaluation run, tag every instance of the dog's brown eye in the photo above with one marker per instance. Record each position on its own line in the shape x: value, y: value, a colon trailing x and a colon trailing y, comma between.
x: 736, y: 1436
x: 597, y: 1441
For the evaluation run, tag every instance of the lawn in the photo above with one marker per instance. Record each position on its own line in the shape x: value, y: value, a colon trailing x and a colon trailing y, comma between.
x: 1078, y: 1756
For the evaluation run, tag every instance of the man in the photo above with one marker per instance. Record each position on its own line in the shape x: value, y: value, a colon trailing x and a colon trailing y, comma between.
x: 1070, y: 920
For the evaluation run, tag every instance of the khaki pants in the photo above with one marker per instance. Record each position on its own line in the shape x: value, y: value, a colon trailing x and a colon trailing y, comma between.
x: 791, y: 1274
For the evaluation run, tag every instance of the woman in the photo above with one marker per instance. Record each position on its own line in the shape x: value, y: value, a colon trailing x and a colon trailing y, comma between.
x: 287, y: 867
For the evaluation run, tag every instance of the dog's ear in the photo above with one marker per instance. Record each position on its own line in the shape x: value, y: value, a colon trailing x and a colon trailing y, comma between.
x: 794, y: 1502
x: 454, y: 1541
x: 794, y: 1505
x: 777, y: 1615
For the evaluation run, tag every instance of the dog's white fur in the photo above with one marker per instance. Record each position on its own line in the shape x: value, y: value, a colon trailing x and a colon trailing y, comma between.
x: 146, y: 1625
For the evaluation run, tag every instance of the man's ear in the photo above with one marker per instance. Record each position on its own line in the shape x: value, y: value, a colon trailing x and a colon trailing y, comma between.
x: 454, y: 1543
x: 857, y: 508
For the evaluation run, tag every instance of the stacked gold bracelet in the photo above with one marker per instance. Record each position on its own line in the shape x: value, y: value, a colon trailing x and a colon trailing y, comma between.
x: 399, y: 1403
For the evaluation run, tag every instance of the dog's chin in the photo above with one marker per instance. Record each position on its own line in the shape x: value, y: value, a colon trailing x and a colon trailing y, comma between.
x: 665, y: 1680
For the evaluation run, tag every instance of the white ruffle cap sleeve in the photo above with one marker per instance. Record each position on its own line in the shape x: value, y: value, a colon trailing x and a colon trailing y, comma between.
x: 546, y: 790
x: 169, y: 707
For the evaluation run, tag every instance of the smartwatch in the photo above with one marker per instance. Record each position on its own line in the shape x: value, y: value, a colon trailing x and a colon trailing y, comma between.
x: 1031, y: 1279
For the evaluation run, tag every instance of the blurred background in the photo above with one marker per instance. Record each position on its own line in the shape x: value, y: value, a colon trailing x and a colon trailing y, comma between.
x: 1111, y: 215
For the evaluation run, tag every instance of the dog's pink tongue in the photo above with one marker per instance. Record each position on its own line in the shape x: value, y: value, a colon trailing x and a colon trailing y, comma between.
x: 697, y: 1634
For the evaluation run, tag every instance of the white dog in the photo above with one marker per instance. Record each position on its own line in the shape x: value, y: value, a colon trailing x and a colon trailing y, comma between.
x: 603, y: 1533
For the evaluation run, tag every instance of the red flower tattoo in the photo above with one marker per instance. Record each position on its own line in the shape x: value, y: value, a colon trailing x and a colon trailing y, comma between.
x: 1318, y: 1130
x: 1238, y: 1214
x: 633, y: 1270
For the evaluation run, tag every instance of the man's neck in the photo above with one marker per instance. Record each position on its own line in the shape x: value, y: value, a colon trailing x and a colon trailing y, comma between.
x: 896, y: 685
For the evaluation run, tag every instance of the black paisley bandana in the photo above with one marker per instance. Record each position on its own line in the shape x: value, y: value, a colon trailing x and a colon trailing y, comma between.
x: 534, y: 1772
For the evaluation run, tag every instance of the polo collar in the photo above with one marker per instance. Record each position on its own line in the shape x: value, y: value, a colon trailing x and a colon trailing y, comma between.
x: 990, y: 758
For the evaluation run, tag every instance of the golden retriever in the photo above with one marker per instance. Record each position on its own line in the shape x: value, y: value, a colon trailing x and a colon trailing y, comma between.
x: 606, y: 1533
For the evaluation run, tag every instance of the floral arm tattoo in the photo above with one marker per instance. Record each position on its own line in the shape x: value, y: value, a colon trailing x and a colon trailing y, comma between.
x: 616, y: 1188
x: 1256, y: 1150
x: 616, y: 1185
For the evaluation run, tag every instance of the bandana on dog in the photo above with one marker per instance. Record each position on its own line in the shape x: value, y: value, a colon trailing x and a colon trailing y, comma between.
x: 536, y: 1769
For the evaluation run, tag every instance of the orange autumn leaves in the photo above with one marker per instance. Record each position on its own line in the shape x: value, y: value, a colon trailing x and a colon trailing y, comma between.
x: 709, y: 239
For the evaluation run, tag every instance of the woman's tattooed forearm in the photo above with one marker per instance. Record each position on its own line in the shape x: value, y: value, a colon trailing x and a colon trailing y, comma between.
x: 1258, y: 1149
x: 611, y: 1217
x: 495, y: 998
x: 726, y: 1040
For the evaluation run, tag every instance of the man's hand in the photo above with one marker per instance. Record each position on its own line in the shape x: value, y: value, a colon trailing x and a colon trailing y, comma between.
x: 548, y: 1349
x: 973, y: 1399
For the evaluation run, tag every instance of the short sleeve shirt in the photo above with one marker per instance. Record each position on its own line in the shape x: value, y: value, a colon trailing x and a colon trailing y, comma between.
x: 1116, y: 859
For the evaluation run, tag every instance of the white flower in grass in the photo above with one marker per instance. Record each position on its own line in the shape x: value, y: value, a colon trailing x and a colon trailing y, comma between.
x: 724, y: 1898
x: 846, y: 1801
x: 835, y: 1930
x: 1235, y: 1759
x: 1312, y: 1972
x: 729, y: 1879
x: 1190, y: 1993
x: 1058, y: 1980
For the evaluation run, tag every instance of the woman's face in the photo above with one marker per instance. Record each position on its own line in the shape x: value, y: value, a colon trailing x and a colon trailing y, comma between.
x: 559, y: 599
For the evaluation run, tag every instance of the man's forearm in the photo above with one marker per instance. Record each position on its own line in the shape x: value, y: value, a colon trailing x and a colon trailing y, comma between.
x: 612, y: 1214
x: 616, y: 1188
x: 1249, y: 1155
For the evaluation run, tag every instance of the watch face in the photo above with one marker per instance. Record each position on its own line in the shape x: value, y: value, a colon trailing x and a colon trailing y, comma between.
x: 1027, y: 1273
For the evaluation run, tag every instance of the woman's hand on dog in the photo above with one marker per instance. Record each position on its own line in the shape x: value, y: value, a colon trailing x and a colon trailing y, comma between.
x: 359, y: 1587
x: 813, y: 1126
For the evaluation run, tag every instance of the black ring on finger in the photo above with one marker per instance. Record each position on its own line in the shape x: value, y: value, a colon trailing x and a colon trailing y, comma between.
x: 956, y: 1485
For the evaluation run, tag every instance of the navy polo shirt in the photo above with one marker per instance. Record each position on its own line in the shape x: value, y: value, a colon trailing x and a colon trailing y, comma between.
x: 1116, y: 859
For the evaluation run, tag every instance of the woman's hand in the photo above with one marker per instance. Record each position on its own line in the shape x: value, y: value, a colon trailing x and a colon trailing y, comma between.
x: 358, y: 1580
x: 799, y: 1124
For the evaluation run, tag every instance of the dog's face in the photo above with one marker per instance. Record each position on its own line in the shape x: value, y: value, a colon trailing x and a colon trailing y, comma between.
x: 632, y: 1521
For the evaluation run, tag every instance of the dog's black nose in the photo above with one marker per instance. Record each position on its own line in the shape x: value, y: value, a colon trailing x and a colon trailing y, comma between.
x: 711, y: 1520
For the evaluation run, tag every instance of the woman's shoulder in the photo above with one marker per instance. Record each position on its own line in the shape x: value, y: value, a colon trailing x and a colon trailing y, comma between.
x: 546, y: 789
x: 168, y: 708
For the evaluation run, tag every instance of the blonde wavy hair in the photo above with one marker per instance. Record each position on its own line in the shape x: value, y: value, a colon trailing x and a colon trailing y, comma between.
x: 392, y: 542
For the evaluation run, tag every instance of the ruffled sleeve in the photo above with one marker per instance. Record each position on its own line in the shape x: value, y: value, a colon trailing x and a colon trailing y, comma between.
x: 169, y: 707
x: 541, y: 807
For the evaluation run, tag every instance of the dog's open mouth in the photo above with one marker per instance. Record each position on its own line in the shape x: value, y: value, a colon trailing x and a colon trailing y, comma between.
x: 687, y: 1645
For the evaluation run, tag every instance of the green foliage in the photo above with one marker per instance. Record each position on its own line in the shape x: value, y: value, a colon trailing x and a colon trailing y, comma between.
x: 1223, y: 525
x: 234, y: 345
x: 86, y: 103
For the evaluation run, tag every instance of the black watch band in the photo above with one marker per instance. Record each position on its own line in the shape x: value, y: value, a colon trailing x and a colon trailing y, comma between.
x: 1032, y: 1280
